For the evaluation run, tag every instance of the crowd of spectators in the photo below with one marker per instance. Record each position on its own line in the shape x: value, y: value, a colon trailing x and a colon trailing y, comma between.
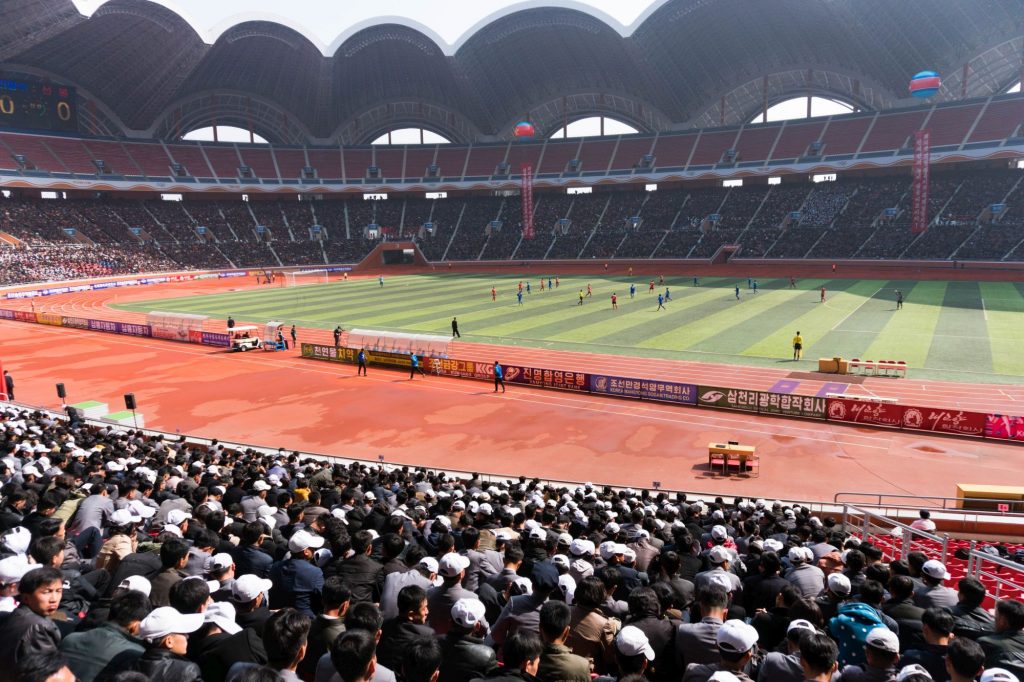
x: 45, y: 262
x: 127, y: 557
x: 674, y: 224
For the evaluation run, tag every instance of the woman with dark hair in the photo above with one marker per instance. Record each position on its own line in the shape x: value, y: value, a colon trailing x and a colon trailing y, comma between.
x: 591, y: 633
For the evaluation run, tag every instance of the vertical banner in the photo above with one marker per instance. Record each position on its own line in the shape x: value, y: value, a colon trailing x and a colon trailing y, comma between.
x: 922, y: 162
x: 526, y: 196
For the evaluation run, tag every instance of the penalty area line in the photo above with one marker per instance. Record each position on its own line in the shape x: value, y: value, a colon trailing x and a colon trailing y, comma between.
x: 849, y: 314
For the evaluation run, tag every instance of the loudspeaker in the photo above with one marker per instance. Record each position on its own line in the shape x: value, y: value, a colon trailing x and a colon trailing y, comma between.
x: 129, y: 401
x: 61, y: 393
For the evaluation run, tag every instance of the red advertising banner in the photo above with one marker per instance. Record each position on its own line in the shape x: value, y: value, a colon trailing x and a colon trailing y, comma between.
x: 1004, y: 427
x: 863, y: 412
x: 547, y: 378
x: 944, y: 421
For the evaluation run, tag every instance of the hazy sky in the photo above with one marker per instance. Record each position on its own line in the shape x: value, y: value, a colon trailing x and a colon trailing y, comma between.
x: 327, y: 22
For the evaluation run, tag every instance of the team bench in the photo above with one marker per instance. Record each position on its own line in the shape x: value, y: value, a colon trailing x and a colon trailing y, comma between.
x: 894, y: 368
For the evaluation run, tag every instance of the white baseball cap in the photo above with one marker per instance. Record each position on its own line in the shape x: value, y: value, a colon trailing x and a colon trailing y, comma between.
x: 13, y: 568
x: 560, y: 560
x: 719, y: 555
x: 611, y: 528
x: 538, y: 533
x: 122, y: 517
x: 736, y: 636
x: 247, y: 587
x: 800, y: 624
x: 172, y: 529
x: 138, y: 583
x: 631, y: 641
x: 301, y: 540
x: 211, y: 585
x: 452, y: 564
x: 883, y: 639
x: 261, y: 485
x: 912, y: 669
x: 222, y: 614
x: 997, y: 675
x: 723, y: 676
x: 167, y: 620
x: 18, y: 539
x: 580, y: 547
x: 839, y: 584
x: 720, y: 579
x: 719, y: 532
x: 139, y: 508
x: 218, y: 562
x: 469, y: 612
x: 176, y: 517
x: 935, y: 569
x: 524, y: 585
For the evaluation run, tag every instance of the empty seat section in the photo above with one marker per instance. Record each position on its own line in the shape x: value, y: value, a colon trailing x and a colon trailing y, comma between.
x: 451, y: 160
x: 630, y: 151
x: 557, y: 156
x: 796, y: 138
x: 949, y: 125
x: 260, y: 160
x: 1001, y: 120
x: 113, y: 155
x: 76, y: 157
x: 224, y: 160
x: 484, y: 159
x: 418, y: 159
x: 191, y: 157
x: 711, y: 146
x: 34, y: 149
x: 290, y: 162
x: 843, y: 136
x: 893, y: 131
x: 357, y: 161
x: 151, y: 158
x: 673, y: 150
x: 596, y: 154
x: 390, y: 161
x: 756, y: 142
x: 327, y: 163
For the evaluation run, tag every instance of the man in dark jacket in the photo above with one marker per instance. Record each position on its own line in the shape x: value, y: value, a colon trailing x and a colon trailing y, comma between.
x: 411, y: 624
x: 363, y: 575
x: 937, y: 630
x: 28, y: 629
x: 166, y: 631
x: 1005, y: 648
x: 107, y: 650
x: 327, y: 626
x: 464, y: 654
x: 972, y: 621
x: 250, y: 559
x: 521, y: 656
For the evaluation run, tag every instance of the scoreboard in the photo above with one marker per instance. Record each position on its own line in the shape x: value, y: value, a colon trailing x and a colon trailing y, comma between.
x: 37, y: 105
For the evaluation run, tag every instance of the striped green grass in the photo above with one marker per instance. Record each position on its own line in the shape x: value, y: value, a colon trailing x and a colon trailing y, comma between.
x: 963, y: 331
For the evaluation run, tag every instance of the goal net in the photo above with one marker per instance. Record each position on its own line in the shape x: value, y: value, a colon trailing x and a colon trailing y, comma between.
x: 300, y: 277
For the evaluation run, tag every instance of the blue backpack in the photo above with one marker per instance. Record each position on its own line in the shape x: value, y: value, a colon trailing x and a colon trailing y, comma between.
x: 850, y: 629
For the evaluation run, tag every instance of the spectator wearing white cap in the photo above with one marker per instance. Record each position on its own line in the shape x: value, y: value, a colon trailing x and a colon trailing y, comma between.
x: 934, y: 592
x: 804, y: 575
x: 465, y: 656
x: 779, y: 666
x: 720, y: 559
x: 165, y: 632
x: 837, y: 592
x: 696, y: 642
x: 297, y: 580
x: 632, y: 652
x: 103, y: 652
x: 581, y: 565
x: 881, y: 654
x: 255, y: 499
x: 591, y: 633
x: 451, y: 568
x: 11, y: 570
x: 737, y: 643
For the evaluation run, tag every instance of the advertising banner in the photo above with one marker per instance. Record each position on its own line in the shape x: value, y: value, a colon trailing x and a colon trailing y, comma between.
x: 214, y: 339
x: 460, y: 369
x: 134, y: 329
x: 944, y: 421
x: 318, y: 352
x: 547, y: 378
x: 6, y: 314
x: 863, y: 412
x: 644, y: 389
x: 103, y: 326
x: 195, y: 336
x: 24, y: 316
x: 763, y: 402
x: 1004, y: 427
x: 74, y: 322
x: 49, y: 318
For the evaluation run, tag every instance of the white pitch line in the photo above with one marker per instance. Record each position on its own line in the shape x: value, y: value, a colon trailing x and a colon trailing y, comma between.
x: 984, y: 310
x: 855, y: 310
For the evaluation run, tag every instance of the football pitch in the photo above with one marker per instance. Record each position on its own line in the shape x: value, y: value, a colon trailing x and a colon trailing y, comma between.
x: 959, y: 331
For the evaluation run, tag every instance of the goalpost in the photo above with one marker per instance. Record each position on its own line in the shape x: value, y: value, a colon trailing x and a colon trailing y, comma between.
x: 297, y: 278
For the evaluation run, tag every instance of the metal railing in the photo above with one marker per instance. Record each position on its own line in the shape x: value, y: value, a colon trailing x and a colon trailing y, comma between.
x: 1004, y: 575
x: 878, y: 527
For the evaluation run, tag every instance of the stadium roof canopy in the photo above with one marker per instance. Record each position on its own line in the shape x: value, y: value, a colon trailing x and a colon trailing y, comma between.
x: 163, y: 67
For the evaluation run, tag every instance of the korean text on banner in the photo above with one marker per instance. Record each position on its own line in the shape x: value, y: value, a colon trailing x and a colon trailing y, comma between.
x: 864, y: 412
x: 644, y: 389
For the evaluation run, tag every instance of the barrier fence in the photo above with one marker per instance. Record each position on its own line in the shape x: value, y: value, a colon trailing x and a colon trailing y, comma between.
x: 889, y: 415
